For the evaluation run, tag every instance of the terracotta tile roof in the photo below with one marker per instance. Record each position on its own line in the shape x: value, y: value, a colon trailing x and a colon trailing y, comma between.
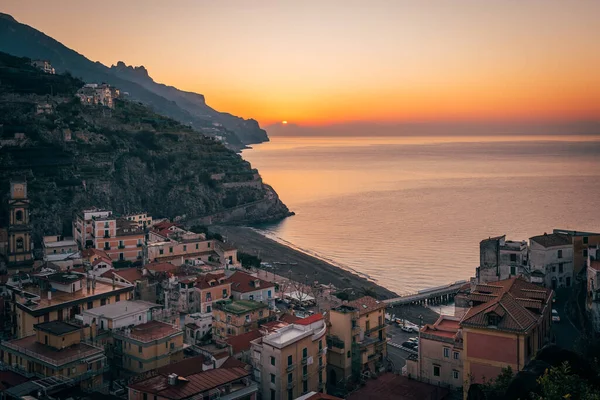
x: 129, y: 274
x: 102, y: 259
x: 164, y: 225
x: 88, y: 253
x: 310, y: 320
x: 184, y: 256
x: 552, y: 239
x: 243, y: 283
x: 233, y: 362
x: 289, y: 318
x: 161, y: 267
x: 322, y: 396
x: 153, y: 330
x: 9, y: 379
x: 241, y: 342
x: 204, y: 281
x: 194, y: 384
x: 183, y: 368
x: 366, y: 304
x: 595, y: 265
x: 515, y: 301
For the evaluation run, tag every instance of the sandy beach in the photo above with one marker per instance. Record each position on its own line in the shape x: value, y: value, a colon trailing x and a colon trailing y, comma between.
x: 306, y: 268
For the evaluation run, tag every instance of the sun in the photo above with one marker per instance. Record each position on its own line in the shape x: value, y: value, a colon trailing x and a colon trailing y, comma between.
x: 284, y: 122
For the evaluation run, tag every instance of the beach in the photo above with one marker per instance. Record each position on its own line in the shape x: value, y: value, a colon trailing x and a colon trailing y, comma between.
x: 303, y: 267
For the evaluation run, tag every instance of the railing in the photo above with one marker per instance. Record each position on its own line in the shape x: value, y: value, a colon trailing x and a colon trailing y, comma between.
x: 121, y: 246
x: 106, y: 247
x: 334, y: 341
x: 304, y: 360
x: 19, y: 370
x: 92, y: 372
x: 80, y: 355
x: 305, y: 377
x: 376, y: 328
x: 290, y: 367
x: 290, y: 385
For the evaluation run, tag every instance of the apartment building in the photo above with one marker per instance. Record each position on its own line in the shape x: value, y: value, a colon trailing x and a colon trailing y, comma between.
x: 104, y: 319
x: 439, y: 361
x: 82, y: 226
x: 508, y: 323
x: 195, y: 378
x: 291, y: 361
x: 583, y: 243
x: 500, y: 259
x: 60, y: 297
x: 248, y: 287
x: 356, y: 342
x: 55, y: 349
x: 210, y: 288
x: 143, y: 219
x: 122, y: 240
x: 551, y: 256
x: 148, y: 346
x: 55, y: 244
x: 234, y: 317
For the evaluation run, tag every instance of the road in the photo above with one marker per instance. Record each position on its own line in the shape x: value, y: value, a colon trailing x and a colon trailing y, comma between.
x: 565, y: 331
x: 396, y: 355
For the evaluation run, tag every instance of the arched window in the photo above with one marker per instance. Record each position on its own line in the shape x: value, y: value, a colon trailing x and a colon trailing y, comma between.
x: 20, y: 243
x: 19, y: 215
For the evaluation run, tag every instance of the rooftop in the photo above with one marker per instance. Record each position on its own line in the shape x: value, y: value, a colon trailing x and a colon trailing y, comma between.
x: 391, y: 386
x: 366, y: 304
x: 210, y: 280
x: 152, y: 330
x: 239, y: 306
x: 129, y: 274
x: 65, y: 277
x: 575, y: 233
x: 56, y: 327
x: 88, y: 253
x: 122, y: 308
x: 289, y: 334
x: 61, y: 243
x: 595, y: 264
x: 552, y: 239
x: 516, y: 302
x: 76, y: 352
x: 244, y: 283
x: 190, y: 385
x: 241, y: 342
x: 444, y: 327
x: 183, y: 368
x: 161, y: 267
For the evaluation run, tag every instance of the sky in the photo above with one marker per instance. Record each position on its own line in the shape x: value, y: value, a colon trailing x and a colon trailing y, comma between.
x: 335, y: 62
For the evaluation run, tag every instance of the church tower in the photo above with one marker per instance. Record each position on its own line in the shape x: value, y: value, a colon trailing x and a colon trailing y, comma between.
x: 19, y: 226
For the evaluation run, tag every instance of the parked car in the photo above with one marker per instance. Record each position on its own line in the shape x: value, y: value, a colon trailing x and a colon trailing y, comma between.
x: 414, y: 340
x: 555, y: 316
x: 406, y: 329
x: 409, y: 345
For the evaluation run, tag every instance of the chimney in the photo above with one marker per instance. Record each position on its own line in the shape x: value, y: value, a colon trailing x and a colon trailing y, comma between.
x: 172, y: 379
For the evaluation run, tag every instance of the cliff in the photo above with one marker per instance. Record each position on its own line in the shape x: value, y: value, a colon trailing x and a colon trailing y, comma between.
x: 127, y: 159
x: 188, y: 108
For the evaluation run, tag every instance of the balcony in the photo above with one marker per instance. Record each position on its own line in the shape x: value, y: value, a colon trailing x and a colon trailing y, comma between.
x: 290, y: 367
x: 290, y: 385
x: 335, y: 342
x: 139, y: 245
x: 121, y: 246
x: 376, y: 328
x: 304, y: 360
x: 106, y: 236
x: 106, y: 247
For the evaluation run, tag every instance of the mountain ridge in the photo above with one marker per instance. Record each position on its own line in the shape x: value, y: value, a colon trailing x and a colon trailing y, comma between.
x: 25, y: 41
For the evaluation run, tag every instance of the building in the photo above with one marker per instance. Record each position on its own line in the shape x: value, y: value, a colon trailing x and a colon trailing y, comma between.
x: 582, y: 243
x: 118, y: 315
x: 147, y: 346
x: 500, y: 259
x: 234, y: 317
x: 59, y: 297
x: 210, y: 288
x: 19, y: 253
x: 593, y: 288
x: 62, y: 252
x: 93, y: 94
x: 197, y: 327
x: 142, y: 219
x: 44, y: 65
x: 391, y: 386
x: 55, y: 349
x: 247, y: 287
x: 357, y: 342
x: 122, y: 240
x: 291, y: 361
x: 552, y: 255
x: 44, y: 108
x: 439, y: 361
x: 82, y: 226
x: 508, y: 323
x: 195, y: 378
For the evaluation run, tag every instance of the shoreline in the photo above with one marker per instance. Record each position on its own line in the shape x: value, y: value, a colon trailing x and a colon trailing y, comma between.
x: 306, y: 267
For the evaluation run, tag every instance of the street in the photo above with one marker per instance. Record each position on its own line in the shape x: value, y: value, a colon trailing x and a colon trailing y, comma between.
x: 397, y: 355
x: 565, y: 332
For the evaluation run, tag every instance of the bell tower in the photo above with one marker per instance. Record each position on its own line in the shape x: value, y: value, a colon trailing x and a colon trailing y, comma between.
x: 19, y: 226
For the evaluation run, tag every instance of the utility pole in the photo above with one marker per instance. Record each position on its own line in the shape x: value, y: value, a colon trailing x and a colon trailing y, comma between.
x: 419, y: 349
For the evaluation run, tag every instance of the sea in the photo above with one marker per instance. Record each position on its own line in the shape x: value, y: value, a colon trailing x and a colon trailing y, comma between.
x: 409, y: 212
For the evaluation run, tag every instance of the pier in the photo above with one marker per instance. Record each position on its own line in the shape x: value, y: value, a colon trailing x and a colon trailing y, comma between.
x: 436, y: 295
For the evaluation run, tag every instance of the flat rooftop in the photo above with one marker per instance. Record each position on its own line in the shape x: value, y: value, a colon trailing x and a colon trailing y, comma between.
x: 49, y: 354
x: 65, y: 277
x: 122, y: 308
x: 152, y: 330
x: 62, y: 243
x: 56, y: 327
x: 240, y: 306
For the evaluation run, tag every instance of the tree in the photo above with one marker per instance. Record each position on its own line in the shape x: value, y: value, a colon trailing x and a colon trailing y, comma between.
x: 559, y: 383
x: 342, y: 295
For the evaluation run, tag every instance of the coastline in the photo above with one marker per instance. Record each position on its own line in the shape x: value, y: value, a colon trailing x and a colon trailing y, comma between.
x: 304, y: 266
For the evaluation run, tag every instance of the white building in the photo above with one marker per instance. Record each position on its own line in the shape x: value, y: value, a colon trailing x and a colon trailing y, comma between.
x: 501, y: 259
x: 196, y: 326
x: 44, y: 65
x: 552, y: 255
x: 245, y: 286
x: 120, y: 314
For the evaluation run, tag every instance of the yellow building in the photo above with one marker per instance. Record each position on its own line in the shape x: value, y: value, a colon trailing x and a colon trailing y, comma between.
x: 147, y: 346
x: 356, y: 342
x: 60, y: 297
x: 56, y: 350
x: 291, y: 361
x: 234, y: 317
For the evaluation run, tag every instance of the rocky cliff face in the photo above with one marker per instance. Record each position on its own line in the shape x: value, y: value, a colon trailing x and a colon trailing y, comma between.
x: 188, y: 108
x: 127, y: 159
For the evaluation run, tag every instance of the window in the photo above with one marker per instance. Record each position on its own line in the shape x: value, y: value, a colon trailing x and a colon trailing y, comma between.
x: 560, y: 254
x: 304, y: 386
x: 269, y: 294
x: 139, y: 317
x: 368, y: 325
x: 208, y: 309
x: 140, y: 365
x: 184, y: 247
x: 139, y: 349
x: 272, y: 378
x: 170, y: 249
x: 102, y: 302
x: 320, y: 344
x: 553, y: 268
x: 19, y: 215
x: 493, y: 319
x: 305, y: 370
x: 260, y: 313
x: 90, y: 305
x: 289, y: 360
x: 456, y: 355
x: 196, y: 246
x: 348, y: 354
x: 166, y: 345
x: 446, y: 352
x: 560, y: 268
x: 251, y: 297
x: 455, y: 374
x: 106, y: 233
x: 290, y: 394
x: 513, y: 257
x: 289, y: 378
x: 224, y: 293
x: 513, y: 270
x: 160, y: 251
x: 320, y: 361
x: 273, y: 394
x: 585, y: 252
x: 121, y: 257
x: 272, y: 360
x: 107, y: 245
x: 145, y: 396
x: 528, y: 346
x: 305, y: 353
x: 585, y: 240
x: 121, y: 244
x: 20, y: 243
x: 436, y: 370
x: 208, y: 297
x: 209, y: 245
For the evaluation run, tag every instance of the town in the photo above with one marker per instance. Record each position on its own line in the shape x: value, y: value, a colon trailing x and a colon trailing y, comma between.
x: 132, y: 307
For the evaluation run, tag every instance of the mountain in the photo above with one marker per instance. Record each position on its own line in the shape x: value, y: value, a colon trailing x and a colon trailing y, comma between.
x: 127, y: 158
x: 186, y: 107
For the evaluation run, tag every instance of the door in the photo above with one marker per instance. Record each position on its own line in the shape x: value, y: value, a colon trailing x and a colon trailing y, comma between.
x: 568, y: 281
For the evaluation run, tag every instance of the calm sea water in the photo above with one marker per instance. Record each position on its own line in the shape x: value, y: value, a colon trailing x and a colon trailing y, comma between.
x: 410, y: 212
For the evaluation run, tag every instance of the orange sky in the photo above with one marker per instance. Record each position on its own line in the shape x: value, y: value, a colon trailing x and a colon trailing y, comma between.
x: 312, y: 63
